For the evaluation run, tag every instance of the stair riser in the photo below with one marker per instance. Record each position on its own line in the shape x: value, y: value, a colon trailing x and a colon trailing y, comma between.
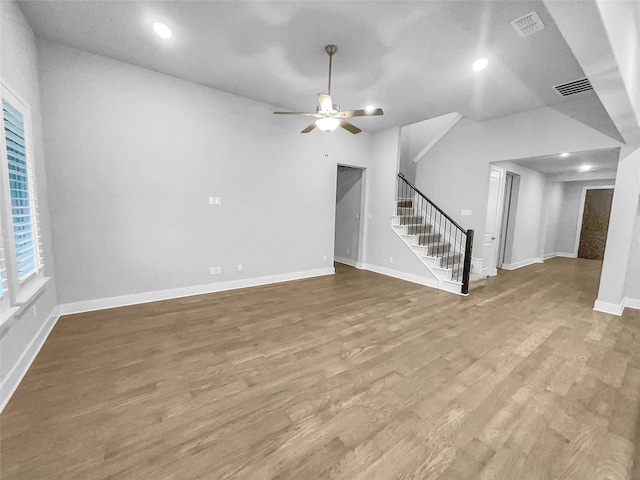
x: 429, y: 238
x: 405, y: 211
x: 405, y: 203
x: 438, y: 250
x: 418, y: 229
x: 450, y: 262
x: 410, y: 220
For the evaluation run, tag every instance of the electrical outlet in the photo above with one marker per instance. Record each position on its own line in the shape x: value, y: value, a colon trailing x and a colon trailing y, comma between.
x: 240, y: 267
x: 212, y: 270
x: 218, y: 201
x: 465, y: 213
x: 212, y: 200
x: 218, y: 270
x: 390, y: 259
x: 347, y: 250
x: 324, y: 259
x: 369, y: 216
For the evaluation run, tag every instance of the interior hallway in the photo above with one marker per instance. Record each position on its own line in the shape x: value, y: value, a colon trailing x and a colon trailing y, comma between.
x: 349, y: 376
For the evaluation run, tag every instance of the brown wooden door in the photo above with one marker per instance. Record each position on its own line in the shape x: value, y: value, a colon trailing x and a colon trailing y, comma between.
x: 595, y: 223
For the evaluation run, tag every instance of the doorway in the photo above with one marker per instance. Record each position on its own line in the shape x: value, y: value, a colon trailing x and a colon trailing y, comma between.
x: 348, y: 241
x: 507, y: 222
x: 594, y: 222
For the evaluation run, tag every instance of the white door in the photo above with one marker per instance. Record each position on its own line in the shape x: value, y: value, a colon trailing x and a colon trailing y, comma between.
x: 490, y: 251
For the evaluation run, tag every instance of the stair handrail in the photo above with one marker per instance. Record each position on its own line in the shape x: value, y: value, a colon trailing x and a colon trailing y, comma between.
x: 466, y: 265
x: 429, y: 200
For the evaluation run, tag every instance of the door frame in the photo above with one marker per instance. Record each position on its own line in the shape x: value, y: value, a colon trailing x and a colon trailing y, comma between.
x: 581, y: 212
x: 506, y: 220
x: 491, y: 268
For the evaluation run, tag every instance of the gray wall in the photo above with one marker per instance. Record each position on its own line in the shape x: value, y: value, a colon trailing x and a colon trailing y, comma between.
x: 348, y: 207
x: 134, y: 156
x: 632, y: 284
x: 553, y: 196
x: 19, y: 69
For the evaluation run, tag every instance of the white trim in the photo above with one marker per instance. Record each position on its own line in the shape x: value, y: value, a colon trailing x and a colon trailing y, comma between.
x: 493, y: 261
x: 607, y: 307
x: 548, y: 256
x: 476, y: 265
x: 523, y: 263
x: 10, y: 382
x: 146, y: 297
x: 26, y: 298
x: 617, y: 308
x: 576, y: 244
x: 403, y: 276
x: 346, y: 261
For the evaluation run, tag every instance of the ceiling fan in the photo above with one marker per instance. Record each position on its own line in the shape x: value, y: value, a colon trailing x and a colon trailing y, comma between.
x: 329, y: 116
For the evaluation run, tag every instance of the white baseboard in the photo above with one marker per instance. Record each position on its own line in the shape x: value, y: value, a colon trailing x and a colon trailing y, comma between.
x: 632, y: 303
x: 523, y: 263
x: 617, y: 308
x: 361, y: 266
x: 547, y: 256
x: 346, y: 261
x: 607, y: 307
x: 134, y: 299
x: 433, y: 283
x: 476, y: 265
x: 13, y: 378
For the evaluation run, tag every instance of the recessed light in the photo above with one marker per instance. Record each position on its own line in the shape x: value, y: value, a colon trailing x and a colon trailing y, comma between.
x: 480, y: 64
x: 564, y: 155
x: 369, y: 108
x: 162, y: 30
x: 585, y: 168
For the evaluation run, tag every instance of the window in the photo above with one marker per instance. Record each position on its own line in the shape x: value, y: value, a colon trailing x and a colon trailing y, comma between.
x: 20, y: 258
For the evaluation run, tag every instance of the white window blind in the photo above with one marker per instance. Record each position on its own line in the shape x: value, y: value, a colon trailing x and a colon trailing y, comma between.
x: 22, y: 193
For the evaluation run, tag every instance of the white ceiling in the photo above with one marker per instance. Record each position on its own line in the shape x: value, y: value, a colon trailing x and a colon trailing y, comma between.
x: 411, y: 58
x: 603, y: 161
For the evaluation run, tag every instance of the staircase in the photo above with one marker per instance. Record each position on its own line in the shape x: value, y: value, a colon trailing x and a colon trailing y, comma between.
x: 442, y: 245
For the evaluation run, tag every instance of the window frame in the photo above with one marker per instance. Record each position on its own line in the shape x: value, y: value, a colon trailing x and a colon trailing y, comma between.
x: 20, y: 292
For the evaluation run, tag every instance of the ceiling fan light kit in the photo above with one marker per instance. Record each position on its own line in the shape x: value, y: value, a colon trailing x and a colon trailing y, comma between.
x: 328, y: 115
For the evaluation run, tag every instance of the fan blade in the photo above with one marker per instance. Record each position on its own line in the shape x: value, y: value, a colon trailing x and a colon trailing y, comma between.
x: 325, y: 103
x: 298, y: 113
x: 348, y: 126
x: 309, y: 128
x: 360, y: 113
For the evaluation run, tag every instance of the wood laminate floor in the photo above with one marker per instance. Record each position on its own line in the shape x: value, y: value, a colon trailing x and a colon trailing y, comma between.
x: 350, y: 376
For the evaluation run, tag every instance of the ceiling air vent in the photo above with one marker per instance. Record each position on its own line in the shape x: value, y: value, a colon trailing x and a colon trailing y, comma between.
x: 528, y: 24
x: 571, y: 88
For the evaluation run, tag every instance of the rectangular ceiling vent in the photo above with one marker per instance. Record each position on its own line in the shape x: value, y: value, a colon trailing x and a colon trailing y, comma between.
x: 528, y: 24
x: 572, y: 88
